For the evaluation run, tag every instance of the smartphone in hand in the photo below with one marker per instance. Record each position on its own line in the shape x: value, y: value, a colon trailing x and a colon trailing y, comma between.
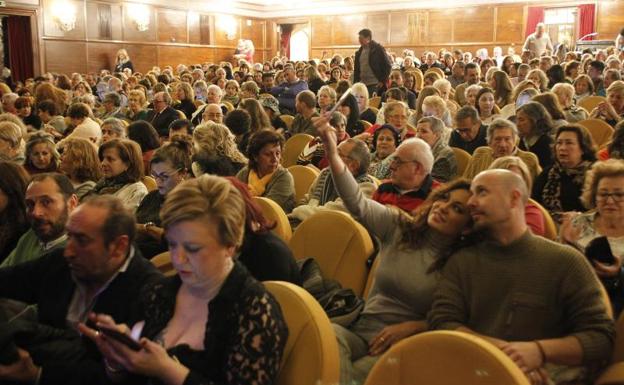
x: 600, y: 250
x: 131, y: 340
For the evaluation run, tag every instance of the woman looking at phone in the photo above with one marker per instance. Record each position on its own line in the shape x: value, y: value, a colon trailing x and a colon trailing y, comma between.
x: 604, y: 195
x: 212, y: 323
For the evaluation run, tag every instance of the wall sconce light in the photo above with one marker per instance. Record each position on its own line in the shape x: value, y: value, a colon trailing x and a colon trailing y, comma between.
x: 64, y: 14
x: 140, y: 15
x: 228, y: 25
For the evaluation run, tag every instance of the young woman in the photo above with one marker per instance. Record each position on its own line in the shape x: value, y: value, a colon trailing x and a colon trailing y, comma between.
x: 412, y: 251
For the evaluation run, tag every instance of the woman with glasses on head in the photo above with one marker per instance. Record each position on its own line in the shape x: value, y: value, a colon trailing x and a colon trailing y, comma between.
x: 170, y: 165
x: 603, y: 194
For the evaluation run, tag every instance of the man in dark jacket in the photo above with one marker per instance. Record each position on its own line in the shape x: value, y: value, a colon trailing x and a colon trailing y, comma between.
x: 163, y: 114
x: 372, y: 64
x: 98, y: 271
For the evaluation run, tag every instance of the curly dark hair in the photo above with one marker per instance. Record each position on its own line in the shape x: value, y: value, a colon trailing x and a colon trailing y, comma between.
x: 258, y: 141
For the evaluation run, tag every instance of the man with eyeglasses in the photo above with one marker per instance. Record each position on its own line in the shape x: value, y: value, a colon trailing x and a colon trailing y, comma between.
x: 502, y: 138
x: 163, y: 114
x: 469, y: 132
x: 212, y: 113
x: 410, y: 181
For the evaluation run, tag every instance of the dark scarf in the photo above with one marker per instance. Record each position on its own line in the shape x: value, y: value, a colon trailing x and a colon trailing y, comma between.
x: 551, y: 194
x: 111, y: 185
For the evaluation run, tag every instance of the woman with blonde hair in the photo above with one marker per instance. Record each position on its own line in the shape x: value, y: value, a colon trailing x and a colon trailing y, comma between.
x: 216, y: 140
x: 612, y: 110
x: 539, y: 78
x: 360, y: 92
x: 41, y: 154
x: 122, y: 61
x: 212, y: 322
x: 418, y: 111
x: 11, y: 142
x: 565, y: 94
x: 80, y: 163
x: 326, y: 98
x: 186, y: 99
x: 136, y: 106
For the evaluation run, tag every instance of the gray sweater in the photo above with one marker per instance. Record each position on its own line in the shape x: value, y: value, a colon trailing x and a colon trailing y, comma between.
x: 281, y: 188
x: 402, y: 289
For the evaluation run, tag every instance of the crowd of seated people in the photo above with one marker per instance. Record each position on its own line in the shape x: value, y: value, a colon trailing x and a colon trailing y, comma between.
x: 452, y: 162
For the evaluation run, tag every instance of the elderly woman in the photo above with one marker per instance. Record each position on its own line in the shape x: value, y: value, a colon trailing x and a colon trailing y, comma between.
x: 611, y: 111
x: 471, y: 94
x: 11, y: 143
x: 444, y: 88
x: 113, y: 128
x: 13, y: 221
x: 186, y: 99
x: 385, y: 141
x: 565, y: 95
x: 412, y: 252
x: 232, y: 89
x: 604, y: 196
x: 533, y: 214
x: 215, y: 142
x: 326, y: 98
x: 558, y: 188
x: 313, y: 153
x: 136, y: 106
x: 435, y: 105
x: 211, y: 312
x: 80, y: 163
x: 170, y: 165
x: 122, y: 168
x: 41, y: 154
x: 535, y: 127
x: 486, y: 105
x: 264, y: 175
x: 431, y: 129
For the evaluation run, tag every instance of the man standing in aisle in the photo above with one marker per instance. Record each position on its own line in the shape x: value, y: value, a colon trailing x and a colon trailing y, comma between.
x: 538, y: 42
x: 372, y: 64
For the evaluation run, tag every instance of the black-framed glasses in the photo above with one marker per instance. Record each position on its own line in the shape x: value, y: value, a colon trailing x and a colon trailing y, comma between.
x: 165, y: 176
x: 617, y: 196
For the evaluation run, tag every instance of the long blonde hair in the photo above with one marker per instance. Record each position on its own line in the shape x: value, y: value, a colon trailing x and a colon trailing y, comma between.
x: 217, y: 139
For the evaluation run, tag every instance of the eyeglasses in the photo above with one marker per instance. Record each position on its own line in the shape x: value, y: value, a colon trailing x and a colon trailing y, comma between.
x: 463, y: 130
x: 158, y: 101
x: 164, y: 176
x: 604, y: 196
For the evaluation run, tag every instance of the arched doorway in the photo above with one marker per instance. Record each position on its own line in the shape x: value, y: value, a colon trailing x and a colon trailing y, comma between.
x: 300, y: 46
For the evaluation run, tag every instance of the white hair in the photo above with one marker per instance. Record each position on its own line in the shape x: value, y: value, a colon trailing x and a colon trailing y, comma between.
x: 421, y: 150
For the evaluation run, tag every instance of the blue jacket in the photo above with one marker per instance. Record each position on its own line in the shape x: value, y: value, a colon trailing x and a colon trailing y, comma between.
x: 287, y: 92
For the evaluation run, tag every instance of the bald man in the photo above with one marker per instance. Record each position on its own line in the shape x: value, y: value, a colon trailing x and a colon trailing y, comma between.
x: 536, y: 300
x: 213, y: 113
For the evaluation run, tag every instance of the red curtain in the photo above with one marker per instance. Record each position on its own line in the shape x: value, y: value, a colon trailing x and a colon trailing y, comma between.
x: 586, y: 20
x: 285, y: 38
x: 20, y: 47
x: 536, y: 15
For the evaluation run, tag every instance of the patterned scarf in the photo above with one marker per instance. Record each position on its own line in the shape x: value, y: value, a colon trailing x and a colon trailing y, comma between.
x: 551, y: 194
x: 111, y: 185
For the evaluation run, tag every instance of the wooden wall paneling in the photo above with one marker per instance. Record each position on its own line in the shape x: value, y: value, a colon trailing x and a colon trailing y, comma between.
x: 346, y: 27
x: 474, y: 24
x: 220, y: 35
x: 439, y: 27
x: 418, y: 27
x: 65, y: 56
x: 378, y: 24
x: 399, y: 28
x: 130, y: 31
x: 143, y: 56
x: 193, y: 28
x: 509, y: 22
x: 222, y: 54
x: 609, y: 19
x: 253, y: 29
x: 50, y: 26
x: 93, y: 21
x: 172, y: 26
x: 102, y: 56
x: 322, y: 27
